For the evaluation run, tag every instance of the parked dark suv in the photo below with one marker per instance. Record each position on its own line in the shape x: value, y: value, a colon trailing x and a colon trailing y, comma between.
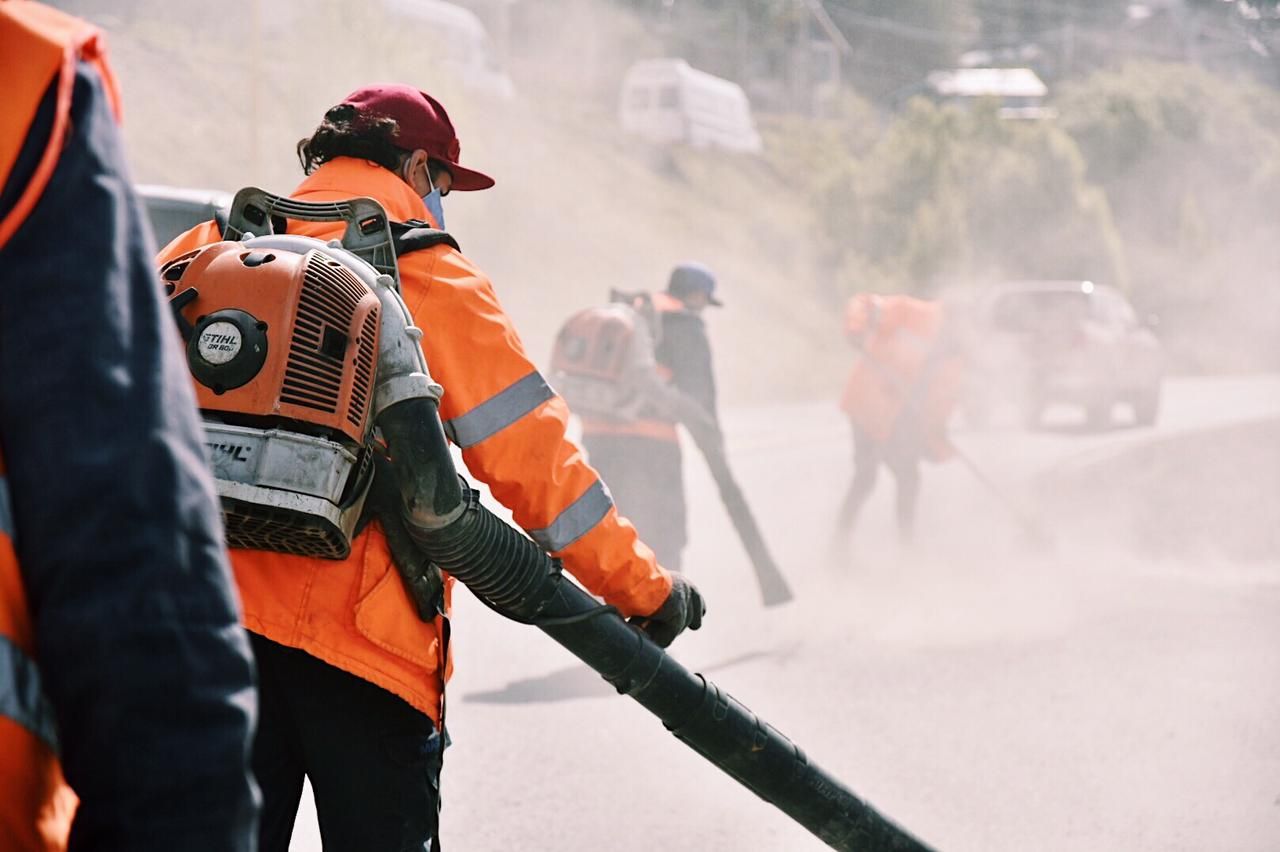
x: 173, y: 210
x: 1043, y: 343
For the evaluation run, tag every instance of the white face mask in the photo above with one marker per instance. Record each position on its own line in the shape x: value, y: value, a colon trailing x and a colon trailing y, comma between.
x: 435, y: 203
x: 433, y: 200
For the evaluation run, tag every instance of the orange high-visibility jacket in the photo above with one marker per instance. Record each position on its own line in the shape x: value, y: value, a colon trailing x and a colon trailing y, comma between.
x: 647, y: 425
x: 41, y: 48
x: 355, y: 613
x: 903, y: 366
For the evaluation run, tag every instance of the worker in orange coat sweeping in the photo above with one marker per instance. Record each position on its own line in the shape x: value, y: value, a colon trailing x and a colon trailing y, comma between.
x: 898, y: 399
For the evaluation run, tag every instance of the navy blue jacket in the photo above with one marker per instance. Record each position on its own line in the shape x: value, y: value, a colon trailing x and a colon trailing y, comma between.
x: 116, y: 523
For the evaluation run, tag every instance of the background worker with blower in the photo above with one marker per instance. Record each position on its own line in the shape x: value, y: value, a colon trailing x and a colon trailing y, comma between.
x: 352, y: 680
x: 899, y: 397
x: 126, y: 684
x: 640, y: 457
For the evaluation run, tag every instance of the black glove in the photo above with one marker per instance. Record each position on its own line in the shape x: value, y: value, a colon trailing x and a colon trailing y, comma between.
x: 682, y: 608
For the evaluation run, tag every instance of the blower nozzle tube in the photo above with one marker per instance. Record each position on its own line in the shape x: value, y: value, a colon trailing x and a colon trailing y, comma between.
x: 449, y: 526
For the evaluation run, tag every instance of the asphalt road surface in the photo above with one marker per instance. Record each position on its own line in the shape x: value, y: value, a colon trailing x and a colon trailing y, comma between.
x: 1034, y: 673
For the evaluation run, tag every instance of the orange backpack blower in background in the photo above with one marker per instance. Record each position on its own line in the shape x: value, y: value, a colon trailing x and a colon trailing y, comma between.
x: 603, y: 360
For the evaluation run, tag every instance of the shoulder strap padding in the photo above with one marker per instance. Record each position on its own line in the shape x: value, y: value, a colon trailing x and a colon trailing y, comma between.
x: 416, y: 235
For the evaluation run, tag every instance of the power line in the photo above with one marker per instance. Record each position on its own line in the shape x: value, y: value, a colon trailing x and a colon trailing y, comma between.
x: 892, y: 27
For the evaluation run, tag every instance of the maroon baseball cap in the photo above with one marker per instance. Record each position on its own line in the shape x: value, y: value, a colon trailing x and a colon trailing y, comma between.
x: 423, y: 123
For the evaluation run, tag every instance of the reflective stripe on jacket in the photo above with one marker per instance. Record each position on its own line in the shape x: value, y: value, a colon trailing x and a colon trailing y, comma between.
x: 511, y: 427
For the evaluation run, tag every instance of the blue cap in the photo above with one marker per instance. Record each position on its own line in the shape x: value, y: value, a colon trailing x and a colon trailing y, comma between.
x: 693, y: 278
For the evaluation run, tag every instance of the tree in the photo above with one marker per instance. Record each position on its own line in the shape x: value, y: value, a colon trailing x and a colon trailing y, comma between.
x: 1190, y: 162
x: 948, y: 195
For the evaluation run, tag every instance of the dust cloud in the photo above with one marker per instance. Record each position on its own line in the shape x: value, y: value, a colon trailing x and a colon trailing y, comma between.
x: 1105, y: 682
x: 579, y: 207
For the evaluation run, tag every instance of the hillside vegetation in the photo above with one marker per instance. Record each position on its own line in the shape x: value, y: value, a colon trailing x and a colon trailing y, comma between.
x: 1159, y: 178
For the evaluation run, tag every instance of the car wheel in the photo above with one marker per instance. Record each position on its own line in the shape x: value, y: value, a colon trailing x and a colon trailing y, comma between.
x: 1146, y: 406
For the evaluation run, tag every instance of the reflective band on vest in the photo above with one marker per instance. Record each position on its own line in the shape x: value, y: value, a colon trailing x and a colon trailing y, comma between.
x: 22, y: 699
x: 661, y: 430
x: 6, y: 509
x: 499, y: 411
x: 576, y: 520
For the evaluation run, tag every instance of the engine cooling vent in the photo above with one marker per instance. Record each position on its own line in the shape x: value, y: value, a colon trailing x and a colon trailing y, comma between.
x: 365, y: 361
x: 326, y: 307
x: 256, y: 527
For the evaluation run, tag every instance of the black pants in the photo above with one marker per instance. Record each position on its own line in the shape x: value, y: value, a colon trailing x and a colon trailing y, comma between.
x: 373, y: 760
x: 646, y: 478
x: 902, y: 456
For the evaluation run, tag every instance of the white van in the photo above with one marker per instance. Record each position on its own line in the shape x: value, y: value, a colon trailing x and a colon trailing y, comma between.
x: 457, y: 39
x: 666, y: 100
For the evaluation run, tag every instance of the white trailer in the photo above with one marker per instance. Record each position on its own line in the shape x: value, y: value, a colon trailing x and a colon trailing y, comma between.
x: 667, y: 100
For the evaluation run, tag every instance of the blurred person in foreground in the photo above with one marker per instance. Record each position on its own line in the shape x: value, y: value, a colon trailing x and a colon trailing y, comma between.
x: 352, y: 680
x: 899, y: 397
x: 640, y: 458
x: 126, y: 684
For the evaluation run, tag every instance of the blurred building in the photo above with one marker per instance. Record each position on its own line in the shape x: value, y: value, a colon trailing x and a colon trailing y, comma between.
x: 1018, y: 92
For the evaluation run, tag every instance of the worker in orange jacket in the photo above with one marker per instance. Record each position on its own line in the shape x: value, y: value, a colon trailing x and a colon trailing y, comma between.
x: 126, y: 684
x: 352, y: 681
x: 898, y: 399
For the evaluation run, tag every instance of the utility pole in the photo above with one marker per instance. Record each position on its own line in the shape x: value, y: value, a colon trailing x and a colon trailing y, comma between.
x: 741, y: 46
x: 1069, y: 47
x: 666, y: 25
x: 797, y: 65
x: 255, y: 95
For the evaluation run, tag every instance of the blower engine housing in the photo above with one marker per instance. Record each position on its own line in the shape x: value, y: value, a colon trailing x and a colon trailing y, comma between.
x: 296, y: 347
x: 283, y: 345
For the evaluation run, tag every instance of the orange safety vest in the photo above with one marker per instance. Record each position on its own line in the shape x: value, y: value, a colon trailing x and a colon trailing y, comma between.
x: 898, y: 339
x: 645, y: 427
x: 42, y: 48
x: 354, y: 613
